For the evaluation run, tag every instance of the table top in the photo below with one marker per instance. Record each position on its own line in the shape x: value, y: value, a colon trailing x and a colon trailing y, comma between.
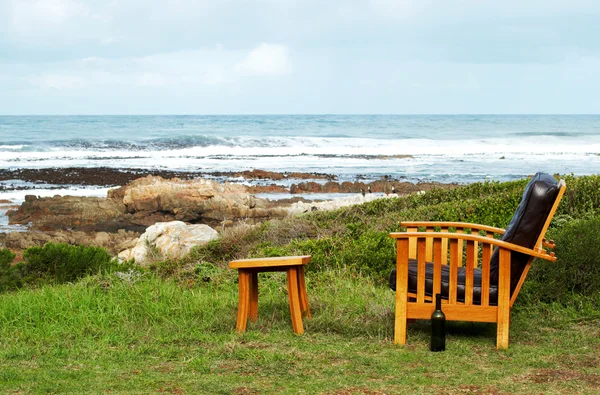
x: 270, y: 262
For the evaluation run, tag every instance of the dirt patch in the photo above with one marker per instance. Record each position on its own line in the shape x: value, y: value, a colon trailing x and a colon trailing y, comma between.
x: 581, y: 361
x: 358, y: 390
x: 244, y: 391
x: 547, y: 376
x: 171, y: 390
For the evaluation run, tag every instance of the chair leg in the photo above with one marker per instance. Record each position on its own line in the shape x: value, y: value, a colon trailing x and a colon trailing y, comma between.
x: 400, y: 321
x: 503, y: 319
x: 243, y: 300
x: 303, y: 297
x: 253, y: 308
x: 294, y: 298
x: 401, y: 292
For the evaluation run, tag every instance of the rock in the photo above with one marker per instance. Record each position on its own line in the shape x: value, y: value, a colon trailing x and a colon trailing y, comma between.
x: 355, y: 187
x: 127, y: 244
x: 272, y: 188
x: 102, y: 238
x: 65, y: 212
x: 153, y: 199
x: 19, y: 241
x: 171, y: 240
x: 144, y: 202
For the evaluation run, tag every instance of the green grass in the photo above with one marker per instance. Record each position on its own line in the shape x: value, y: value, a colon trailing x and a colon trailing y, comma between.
x: 172, y: 329
x: 149, y: 335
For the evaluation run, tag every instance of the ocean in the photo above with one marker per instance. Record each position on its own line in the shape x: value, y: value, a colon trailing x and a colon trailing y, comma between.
x: 444, y: 148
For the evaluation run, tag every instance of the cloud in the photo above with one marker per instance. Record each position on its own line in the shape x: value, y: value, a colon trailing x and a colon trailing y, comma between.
x: 266, y: 59
x: 37, y: 19
x: 151, y: 79
x: 58, y: 82
x: 179, y: 70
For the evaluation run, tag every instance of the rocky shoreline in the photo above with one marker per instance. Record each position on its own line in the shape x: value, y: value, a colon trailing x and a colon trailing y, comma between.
x: 143, y: 198
x: 113, y: 177
x: 295, y: 182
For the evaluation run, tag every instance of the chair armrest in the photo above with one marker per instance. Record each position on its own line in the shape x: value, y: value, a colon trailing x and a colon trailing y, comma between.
x: 548, y: 243
x: 480, y: 239
x: 444, y: 224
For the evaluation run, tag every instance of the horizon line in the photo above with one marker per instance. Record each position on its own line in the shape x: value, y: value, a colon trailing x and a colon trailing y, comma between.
x: 284, y: 114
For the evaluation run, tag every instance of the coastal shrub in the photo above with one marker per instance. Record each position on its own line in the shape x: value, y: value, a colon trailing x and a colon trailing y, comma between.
x: 372, y: 253
x: 577, y: 268
x: 54, y: 263
x: 6, y: 257
x: 234, y: 243
x: 64, y: 263
x: 582, y: 196
x: 9, y: 280
x: 342, y: 237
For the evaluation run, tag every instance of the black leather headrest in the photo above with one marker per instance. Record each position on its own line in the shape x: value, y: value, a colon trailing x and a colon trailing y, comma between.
x: 526, y: 224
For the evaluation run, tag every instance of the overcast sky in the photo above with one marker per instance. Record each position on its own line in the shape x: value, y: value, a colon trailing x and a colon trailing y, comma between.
x: 299, y: 56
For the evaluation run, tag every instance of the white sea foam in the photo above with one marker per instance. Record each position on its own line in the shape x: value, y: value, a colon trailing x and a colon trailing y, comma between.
x: 336, y: 147
x: 11, y: 147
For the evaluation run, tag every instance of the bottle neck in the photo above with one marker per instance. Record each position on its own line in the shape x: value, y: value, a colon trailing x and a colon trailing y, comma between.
x: 438, y: 302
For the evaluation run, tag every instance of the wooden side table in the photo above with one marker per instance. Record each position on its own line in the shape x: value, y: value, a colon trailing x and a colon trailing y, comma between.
x: 248, y: 270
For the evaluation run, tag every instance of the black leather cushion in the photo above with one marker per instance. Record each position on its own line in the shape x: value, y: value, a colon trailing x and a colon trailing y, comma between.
x: 412, y: 282
x: 526, y: 225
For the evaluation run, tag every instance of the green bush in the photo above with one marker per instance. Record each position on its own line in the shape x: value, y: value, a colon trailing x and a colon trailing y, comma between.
x: 6, y: 257
x: 54, y: 263
x: 64, y: 262
x: 577, y: 268
x: 8, y: 277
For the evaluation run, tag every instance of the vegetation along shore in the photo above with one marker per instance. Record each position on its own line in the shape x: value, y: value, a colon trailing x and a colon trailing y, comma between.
x: 74, y: 319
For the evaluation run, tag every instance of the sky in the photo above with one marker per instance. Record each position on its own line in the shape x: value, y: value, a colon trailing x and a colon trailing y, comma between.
x: 299, y: 56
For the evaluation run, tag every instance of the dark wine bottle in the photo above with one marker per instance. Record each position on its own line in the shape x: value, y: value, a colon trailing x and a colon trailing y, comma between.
x: 438, y: 326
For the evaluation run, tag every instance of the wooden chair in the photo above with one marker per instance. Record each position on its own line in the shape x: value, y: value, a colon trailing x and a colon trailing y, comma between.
x: 478, y: 276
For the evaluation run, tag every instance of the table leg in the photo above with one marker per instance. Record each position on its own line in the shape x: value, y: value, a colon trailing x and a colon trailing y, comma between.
x: 303, y: 297
x: 243, y: 301
x: 294, y: 297
x: 253, y: 308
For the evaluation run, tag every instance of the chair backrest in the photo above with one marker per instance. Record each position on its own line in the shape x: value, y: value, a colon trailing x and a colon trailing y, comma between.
x: 529, y: 224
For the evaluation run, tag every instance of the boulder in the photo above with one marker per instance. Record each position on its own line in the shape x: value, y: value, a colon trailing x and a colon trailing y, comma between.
x: 171, y: 240
x: 113, y: 242
x: 65, y: 212
x: 151, y: 199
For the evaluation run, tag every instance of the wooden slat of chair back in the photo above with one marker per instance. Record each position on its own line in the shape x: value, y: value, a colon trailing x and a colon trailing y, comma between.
x: 429, y: 245
x: 454, y: 257
x: 486, y: 257
x: 421, y: 256
x: 444, y: 251
x: 471, y: 265
x: 474, y: 229
x: 438, y: 261
x: 471, y: 262
x: 412, y: 244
